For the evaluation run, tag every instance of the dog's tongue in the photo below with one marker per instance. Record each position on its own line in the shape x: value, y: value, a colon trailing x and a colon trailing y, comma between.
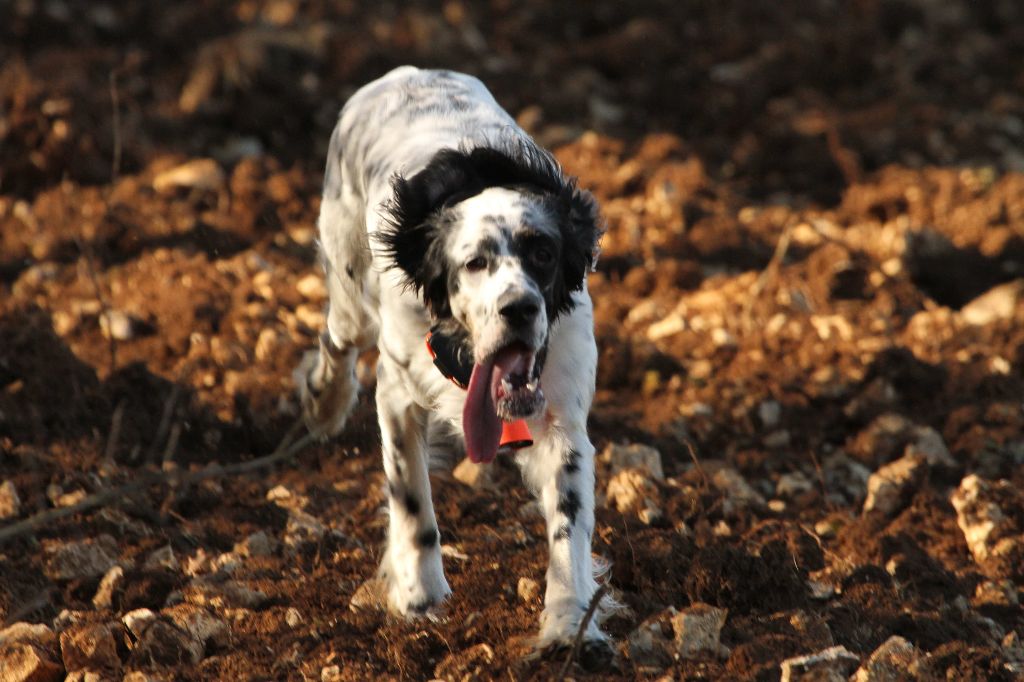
x: 481, y: 424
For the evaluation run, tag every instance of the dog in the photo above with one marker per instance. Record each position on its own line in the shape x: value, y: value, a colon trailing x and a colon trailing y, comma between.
x: 441, y: 218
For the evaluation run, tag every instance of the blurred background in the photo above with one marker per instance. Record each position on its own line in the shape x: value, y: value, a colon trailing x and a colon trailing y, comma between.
x: 809, y: 304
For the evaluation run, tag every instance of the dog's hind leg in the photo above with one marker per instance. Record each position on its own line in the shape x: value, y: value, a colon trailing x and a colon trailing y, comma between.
x: 326, y: 380
x: 412, y: 562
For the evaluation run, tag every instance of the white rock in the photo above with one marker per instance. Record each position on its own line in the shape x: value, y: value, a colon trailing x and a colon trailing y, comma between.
x: 267, y: 344
x: 670, y: 326
x: 292, y: 617
x: 330, y: 673
x: 998, y: 303
x: 769, y: 412
x: 312, y: 287
x: 30, y: 633
x: 89, y: 647
x: 987, y: 529
x: 929, y: 444
x: 472, y: 474
x: 117, y: 325
x: 137, y: 621
x: 831, y: 665
x: 698, y: 629
x: 792, y: 484
x: 634, y: 455
x: 111, y: 582
x: 889, y: 662
x: 24, y: 662
x: 632, y: 490
x: 200, y: 623
x: 80, y: 560
x: 302, y: 529
x: 528, y: 590
x: 892, y: 484
x: 202, y: 174
x: 10, y: 503
x: 738, y: 493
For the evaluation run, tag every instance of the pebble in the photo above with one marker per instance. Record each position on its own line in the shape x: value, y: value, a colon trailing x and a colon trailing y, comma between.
x: 267, y: 344
x: 738, y: 493
x: 80, y: 560
x: 23, y: 662
x: 207, y: 628
x: 845, y: 477
x: 292, y: 617
x: 528, y: 590
x: 893, y: 484
x: 312, y: 287
x: 669, y: 326
x: 889, y: 662
x: 793, y: 484
x: 998, y: 303
x: 830, y: 665
x: 650, y: 644
x: 10, y: 503
x: 769, y: 412
x: 370, y: 596
x: 202, y: 174
x: 928, y: 443
x: 472, y: 474
x: 698, y: 630
x: 89, y: 647
x: 38, y: 634
x: 979, y: 516
x: 330, y: 673
x: 228, y: 593
x: 630, y: 455
x: 137, y: 621
x: 111, y: 583
x: 632, y: 490
x: 302, y: 529
x: 166, y: 644
x: 162, y: 558
x: 259, y: 544
x: 118, y: 325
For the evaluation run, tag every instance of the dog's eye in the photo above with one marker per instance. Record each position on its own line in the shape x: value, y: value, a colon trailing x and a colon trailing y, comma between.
x: 542, y: 255
x: 477, y: 264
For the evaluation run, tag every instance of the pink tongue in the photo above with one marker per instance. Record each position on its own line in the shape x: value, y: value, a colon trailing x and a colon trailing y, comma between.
x: 481, y: 424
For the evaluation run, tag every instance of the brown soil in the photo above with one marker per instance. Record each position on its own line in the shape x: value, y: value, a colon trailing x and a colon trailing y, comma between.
x: 879, y: 142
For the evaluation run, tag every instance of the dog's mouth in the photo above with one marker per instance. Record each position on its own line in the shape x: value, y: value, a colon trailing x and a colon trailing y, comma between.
x: 505, y: 386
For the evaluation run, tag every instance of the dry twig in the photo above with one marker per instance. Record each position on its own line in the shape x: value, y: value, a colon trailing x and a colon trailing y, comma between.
x: 286, y: 449
x: 591, y: 609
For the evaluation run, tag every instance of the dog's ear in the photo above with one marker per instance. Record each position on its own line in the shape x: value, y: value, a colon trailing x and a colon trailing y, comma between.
x: 413, y: 238
x: 580, y: 222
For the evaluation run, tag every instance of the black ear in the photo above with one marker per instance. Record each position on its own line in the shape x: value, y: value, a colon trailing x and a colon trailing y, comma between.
x: 413, y: 238
x: 581, y: 230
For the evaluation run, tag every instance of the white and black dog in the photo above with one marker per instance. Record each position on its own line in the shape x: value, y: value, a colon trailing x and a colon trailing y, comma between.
x: 441, y: 217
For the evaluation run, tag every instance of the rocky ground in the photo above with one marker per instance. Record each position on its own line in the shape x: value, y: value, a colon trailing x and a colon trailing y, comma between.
x: 809, y: 310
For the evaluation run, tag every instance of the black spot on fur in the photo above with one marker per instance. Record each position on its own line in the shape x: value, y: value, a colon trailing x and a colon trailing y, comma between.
x: 427, y: 538
x: 569, y: 504
x: 571, y: 462
x: 564, y: 532
x: 412, y: 505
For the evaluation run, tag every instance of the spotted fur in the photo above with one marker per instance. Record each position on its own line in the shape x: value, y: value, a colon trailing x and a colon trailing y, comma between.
x: 440, y: 212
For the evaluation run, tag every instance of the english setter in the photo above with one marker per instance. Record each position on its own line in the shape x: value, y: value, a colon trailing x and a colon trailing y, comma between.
x: 442, y: 219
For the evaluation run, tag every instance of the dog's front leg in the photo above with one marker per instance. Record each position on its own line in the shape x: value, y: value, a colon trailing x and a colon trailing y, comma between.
x: 412, y: 563
x: 560, y: 469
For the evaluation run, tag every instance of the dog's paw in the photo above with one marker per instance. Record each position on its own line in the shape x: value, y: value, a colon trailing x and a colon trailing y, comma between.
x: 420, y: 592
x: 594, y: 655
x: 326, y: 397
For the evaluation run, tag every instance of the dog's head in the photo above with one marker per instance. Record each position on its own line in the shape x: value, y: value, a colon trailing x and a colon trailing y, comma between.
x: 496, y: 240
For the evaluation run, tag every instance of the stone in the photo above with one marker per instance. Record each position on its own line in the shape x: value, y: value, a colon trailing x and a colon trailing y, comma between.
x: 769, y: 412
x: 698, y: 630
x: 889, y: 662
x: 302, y: 529
x: 792, y: 484
x: 164, y: 643
x: 292, y: 617
x: 330, y: 673
x: 312, y: 287
x: 85, y: 676
x: 998, y: 303
x: 10, y: 503
x: 634, y: 455
x: 632, y: 490
x: 162, y: 558
x: 652, y: 642
x: 845, y: 478
x: 830, y: 665
x: 23, y: 662
x: 928, y: 443
x: 370, y: 596
x: 223, y: 594
x: 89, y: 647
x: 473, y: 663
x: 137, y: 621
x: 669, y: 326
x: 203, y: 174
x: 268, y: 344
x: 996, y: 593
x: 472, y: 474
x: 108, y: 587
x: 259, y: 544
x: 892, y: 485
x: 738, y: 493
x: 38, y: 634
x: 528, y: 590
x: 118, y: 325
x: 207, y: 628
x: 976, y: 514
x: 80, y: 560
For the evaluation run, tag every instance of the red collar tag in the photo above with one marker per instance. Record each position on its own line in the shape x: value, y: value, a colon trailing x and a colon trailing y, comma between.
x: 514, y: 435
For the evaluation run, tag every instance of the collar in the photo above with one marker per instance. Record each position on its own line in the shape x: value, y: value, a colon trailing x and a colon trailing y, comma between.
x: 444, y: 352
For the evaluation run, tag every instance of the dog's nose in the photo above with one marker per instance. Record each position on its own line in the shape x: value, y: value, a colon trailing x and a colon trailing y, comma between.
x: 520, y: 311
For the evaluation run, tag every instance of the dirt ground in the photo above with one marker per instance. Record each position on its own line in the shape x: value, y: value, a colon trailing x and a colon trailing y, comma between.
x: 805, y: 202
